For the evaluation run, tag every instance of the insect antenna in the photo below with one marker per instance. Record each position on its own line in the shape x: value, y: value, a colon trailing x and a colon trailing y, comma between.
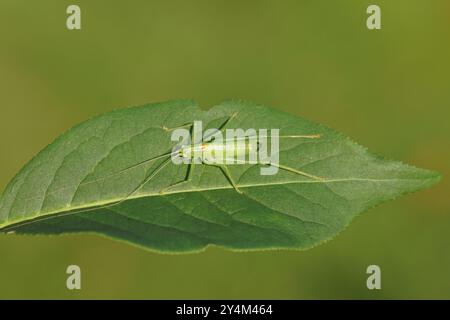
x: 137, y: 165
x: 161, y: 166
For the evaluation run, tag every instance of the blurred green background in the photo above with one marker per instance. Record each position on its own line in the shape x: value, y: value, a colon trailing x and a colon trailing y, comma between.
x: 388, y: 89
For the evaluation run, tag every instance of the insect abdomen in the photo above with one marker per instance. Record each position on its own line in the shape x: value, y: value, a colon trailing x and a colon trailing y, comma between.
x: 227, y: 152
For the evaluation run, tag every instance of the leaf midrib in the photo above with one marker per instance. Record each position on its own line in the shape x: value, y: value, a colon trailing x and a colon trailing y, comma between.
x: 98, y: 205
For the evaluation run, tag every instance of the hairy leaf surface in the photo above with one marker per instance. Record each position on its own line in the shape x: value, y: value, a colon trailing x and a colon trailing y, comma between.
x: 70, y: 185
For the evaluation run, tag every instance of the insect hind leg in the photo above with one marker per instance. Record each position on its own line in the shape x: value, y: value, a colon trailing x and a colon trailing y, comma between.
x: 283, y: 167
x: 223, y: 125
x: 299, y: 172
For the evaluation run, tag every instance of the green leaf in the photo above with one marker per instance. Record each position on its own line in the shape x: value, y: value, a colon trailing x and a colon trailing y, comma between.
x: 68, y: 186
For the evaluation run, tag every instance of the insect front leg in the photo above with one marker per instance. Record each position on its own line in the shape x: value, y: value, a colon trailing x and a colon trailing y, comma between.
x: 223, y: 125
x: 187, y: 179
x: 190, y: 169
